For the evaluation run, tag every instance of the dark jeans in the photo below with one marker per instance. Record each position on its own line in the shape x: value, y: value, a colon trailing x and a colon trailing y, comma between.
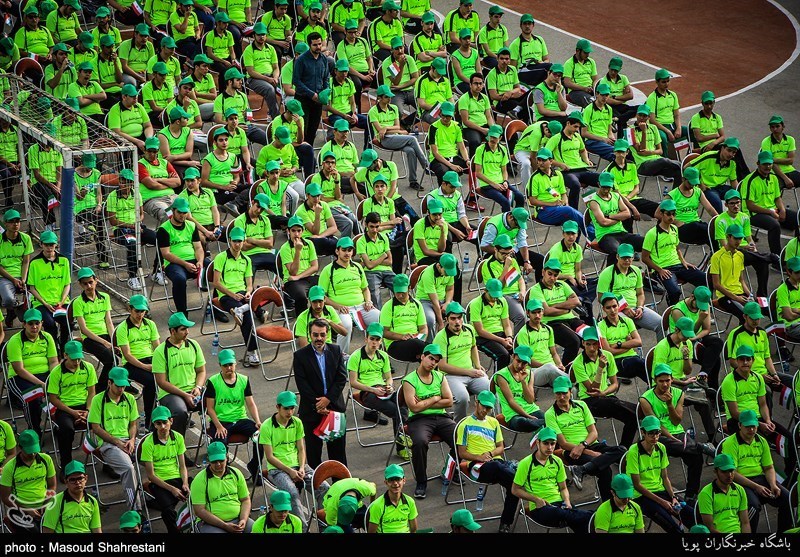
x: 148, y: 238
x: 229, y: 304
x: 630, y: 367
x: 756, y: 502
x: 165, y: 502
x: 598, y: 466
x: 565, y: 336
x: 148, y: 382
x: 708, y: 353
x: 179, y: 276
x: 695, y: 233
x: 623, y: 113
x: 56, y: 326
x: 243, y: 427
x: 473, y: 139
x: 180, y: 412
x: 555, y: 515
x: 440, y: 168
x: 616, y: 409
x: 189, y: 47
x: 759, y: 262
x: 692, y: 276
x: 65, y: 434
x: 33, y: 409
x: 298, y: 291
x: 263, y: 262
x: 527, y: 425
x: 715, y: 196
x: 501, y: 472
x: 574, y: 179
x: 313, y: 115
x: 662, y: 517
x: 421, y: 428
x: 662, y: 167
x: 406, y: 350
x: 336, y: 448
x: 773, y: 228
x: 533, y: 74
x: 496, y: 351
x: 503, y: 199
x: 729, y: 306
x: 611, y: 242
x: 325, y: 246
x: 103, y: 354
x: 386, y: 406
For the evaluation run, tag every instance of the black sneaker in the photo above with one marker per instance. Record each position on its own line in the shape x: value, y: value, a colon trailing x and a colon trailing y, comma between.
x: 419, y: 493
x: 414, y: 186
x: 577, y: 476
x: 221, y: 316
x: 625, y: 380
x: 504, y: 529
x: 375, y: 417
x: 109, y: 471
x: 786, y: 354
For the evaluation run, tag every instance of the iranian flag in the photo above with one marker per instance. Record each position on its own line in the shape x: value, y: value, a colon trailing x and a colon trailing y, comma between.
x: 450, y: 468
x: 332, y: 426
x: 786, y: 396
x: 357, y: 315
x: 534, y: 440
x: 588, y: 197
x: 782, y: 444
x: 247, y: 31
x: 32, y: 394
x: 394, y: 69
x: 130, y: 238
x: 476, y: 471
x: 50, y: 408
x: 184, y: 517
x: 60, y: 311
x: 777, y: 329
x: 762, y: 301
x: 436, y: 111
x: 510, y: 276
x: 630, y: 136
x: 580, y: 328
x: 52, y: 203
x: 622, y: 304
x: 89, y: 445
x: 137, y: 9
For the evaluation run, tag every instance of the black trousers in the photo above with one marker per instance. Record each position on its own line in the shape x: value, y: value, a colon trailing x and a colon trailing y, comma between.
x: 65, y: 434
x: 598, y: 466
x: 611, y: 242
x: 685, y: 448
x: 440, y: 169
x: 694, y: 233
x: 298, y: 291
x: 406, y: 350
x: 496, y: 351
x: 165, y: 502
x: 313, y: 116
x: 421, y: 428
x: 249, y: 338
x: 336, y: 448
x: 773, y: 227
x: 244, y: 427
x: 473, y: 138
x: 100, y: 352
x: 759, y: 262
x: 620, y: 410
x: 708, y: 353
x: 148, y: 382
x: 660, y: 516
x: 565, y: 336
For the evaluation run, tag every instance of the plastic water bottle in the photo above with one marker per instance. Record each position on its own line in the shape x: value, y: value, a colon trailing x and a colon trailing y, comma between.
x: 465, y: 267
x: 445, y: 485
x: 680, y: 505
x: 666, y: 189
x: 690, y: 432
x: 146, y: 529
x: 479, y: 498
x: 208, y: 313
x: 215, y: 345
x: 263, y: 508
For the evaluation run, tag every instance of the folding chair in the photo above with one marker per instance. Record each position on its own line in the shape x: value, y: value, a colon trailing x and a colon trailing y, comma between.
x: 234, y: 441
x: 357, y: 427
x: 592, y: 246
x: 511, y: 130
x: 481, y: 229
x: 530, y: 522
x: 781, y: 338
x: 597, y: 419
x: 277, y: 335
x: 13, y: 416
x: 327, y: 470
x: 717, y: 309
x: 143, y: 485
x: 167, y: 294
x: 92, y: 458
x: 499, y: 416
x: 213, y: 301
x: 462, y: 471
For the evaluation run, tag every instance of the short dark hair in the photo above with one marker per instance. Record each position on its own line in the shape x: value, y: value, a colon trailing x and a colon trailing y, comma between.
x: 372, y: 218
x: 313, y: 37
x: 320, y: 323
x: 476, y: 74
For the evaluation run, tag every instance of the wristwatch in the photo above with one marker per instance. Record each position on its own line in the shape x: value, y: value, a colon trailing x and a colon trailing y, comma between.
x: 619, y: 345
x: 585, y: 444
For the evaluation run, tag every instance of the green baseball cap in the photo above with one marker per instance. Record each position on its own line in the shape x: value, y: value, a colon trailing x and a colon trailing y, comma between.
x: 621, y: 145
x: 119, y: 376
x: 439, y: 65
x: 379, y: 178
x: 237, y: 234
x: 48, y: 237
x: 605, y: 180
x: 31, y: 10
x: 56, y: 47
x: 625, y: 250
x: 130, y: 519
x: 454, y: 307
x: 534, y: 304
x: 463, y: 34
x: 345, y: 242
x: 699, y: 529
x: 160, y: 68
x: 495, y: 131
x: 353, y: 24
x: 524, y: 353
x: 651, y: 423
x: 313, y: 189
x: 29, y: 442
x: 732, y: 194
x: 74, y: 467
x: 667, y: 205
x: 544, y: 154
x: 735, y: 230
x: 85, y: 67
x: 217, y: 451
x: 283, y: 135
x: 233, y: 73
x: 262, y: 200
x: 126, y: 174
x: 752, y: 310
x: 202, y: 59
x: 590, y: 333
x: 191, y: 173
x: 435, y: 206
x: 707, y: 96
x: 526, y: 18
x: 615, y: 63
x: 226, y: 357
x: 190, y: 82
x: 502, y: 241
x: 287, y: 399
x: 295, y: 107
x: 428, y: 17
x: 301, y: 48
x: 281, y: 501
x: 342, y: 65
x: 793, y: 264
x: 178, y: 319
x: 495, y: 288
x: 181, y: 204
x: 607, y: 296
x: 663, y: 73
x: 553, y: 264
x: 177, y: 112
x: 520, y: 215
x: 348, y: 505
x: 486, y: 398
x: 259, y: 28
x: 662, y: 369
x: 448, y: 108
x: 139, y: 302
x: 570, y: 226
x: 584, y: 45
x: 32, y: 314
x: 745, y: 351
x: 448, y: 263
x: 129, y: 90
x: 702, y: 297
x: 765, y: 157
x: 622, y: 484
x: 400, y: 283
x: 462, y: 517
x: 102, y: 11
x: 686, y: 326
x: 557, y: 68
x: 452, y: 178
x: 432, y: 349
x: 732, y: 143
x: 85, y: 272
x: 375, y: 330
x: 295, y: 221
x: 603, y: 89
x: 389, y: 5
x: 331, y: 529
x: 74, y: 4
x: 643, y: 109
x: 87, y: 39
x: 107, y: 40
x: 724, y: 462
x: 11, y: 214
x: 220, y: 131
x: 496, y: 10
x: 576, y: 116
x: 143, y: 29
x: 222, y: 17
x: 368, y: 157
x: 396, y: 42
x: 384, y: 91
x: 331, y: 155
x: 161, y: 414
x: 394, y: 471
x: 562, y: 384
x: 151, y: 143
x: 776, y: 119
x: 748, y: 418
x: 546, y: 433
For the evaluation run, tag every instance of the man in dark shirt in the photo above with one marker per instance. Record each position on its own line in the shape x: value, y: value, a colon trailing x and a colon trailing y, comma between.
x: 311, y: 76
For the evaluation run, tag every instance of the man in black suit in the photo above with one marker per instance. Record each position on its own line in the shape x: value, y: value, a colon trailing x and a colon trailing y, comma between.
x: 320, y: 376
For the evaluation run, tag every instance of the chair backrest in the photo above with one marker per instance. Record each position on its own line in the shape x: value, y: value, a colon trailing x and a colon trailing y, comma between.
x: 330, y: 469
x: 210, y: 135
x: 228, y: 228
x: 687, y: 159
x: 414, y: 277
x: 360, y: 213
x: 482, y: 228
x: 648, y: 365
x: 481, y: 268
x: 265, y: 295
x: 410, y: 245
x: 423, y: 206
x: 208, y: 273
x: 665, y: 319
x: 712, y: 232
x: 773, y: 306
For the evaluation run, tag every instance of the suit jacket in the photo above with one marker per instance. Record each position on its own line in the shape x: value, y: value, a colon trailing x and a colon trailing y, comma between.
x: 308, y: 378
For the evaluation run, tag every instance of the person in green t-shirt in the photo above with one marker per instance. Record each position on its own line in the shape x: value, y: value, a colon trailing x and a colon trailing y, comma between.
x: 330, y: 181
x: 576, y: 433
x: 621, y: 94
x: 580, y: 74
x: 545, y: 362
x: 179, y: 367
x: 663, y: 258
x: 782, y: 146
x: 219, y: 44
x: 46, y: 164
x: 298, y: 265
x: 427, y: 394
x: 626, y: 181
x: 665, y: 111
x: 547, y: 194
x: 28, y: 482
x: 648, y: 149
x: 113, y: 418
x: 73, y: 510
x: 176, y: 143
x: 647, y: 464
x: 595, y: 372
x: 89, y: 93
x: 541, y: 481
x: 722, y: 504
x: 344, y: 100
x: 88, y: 206
x: 491, y: 171
x: 9, y: 161
x: 260, y: 61
x: 788, y: 302
x: 404, y: 323
x: 597, y: 133
x: 186, y: 28
x: 219, y: 495
x: 489, y: 315
x: 689, y: 197
x: 229, y: 400
x: 608, y: 212
x: 475, y: 111
x: 620, y: 514
x: 163, y: 456
x: 279, y: 520
x: 514, y: 386
x: 446, y: 141
x: 375, y: 252
x: 505, y: 91
x: 49, y: 282
x: 394, y: 512
x: 16, y: 249
x: 92, y: 311
x: 620, y: 338
x: 569, y: 252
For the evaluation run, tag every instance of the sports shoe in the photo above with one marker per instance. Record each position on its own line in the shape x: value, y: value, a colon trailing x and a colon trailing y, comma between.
x: 134, y: 283
x: 708, y: 449
x: 231, y: 209
x: 239, y: 312
x: 104, y: 265
x: 159, y: 279
x: 375, y: 417
x: 221, y: 316
x: 702, y: 381
x: 504, y: 529
x: 403, y: 446
x: 419, y: 493
x: 786, y: 354
x: 624, y: 380
x: 577, y: 476
x: 251, y: 359
x: 695, y: 394
x: 414, y: 186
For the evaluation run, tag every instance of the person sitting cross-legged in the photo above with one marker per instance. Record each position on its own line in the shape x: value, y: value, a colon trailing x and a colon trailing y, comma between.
x: 488, y: 314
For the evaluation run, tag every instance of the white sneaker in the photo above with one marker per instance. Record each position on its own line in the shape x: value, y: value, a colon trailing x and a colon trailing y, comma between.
x: 134, y: 284
x: 239, y: 312
x: 251, y: 359
x: 159, y: 279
